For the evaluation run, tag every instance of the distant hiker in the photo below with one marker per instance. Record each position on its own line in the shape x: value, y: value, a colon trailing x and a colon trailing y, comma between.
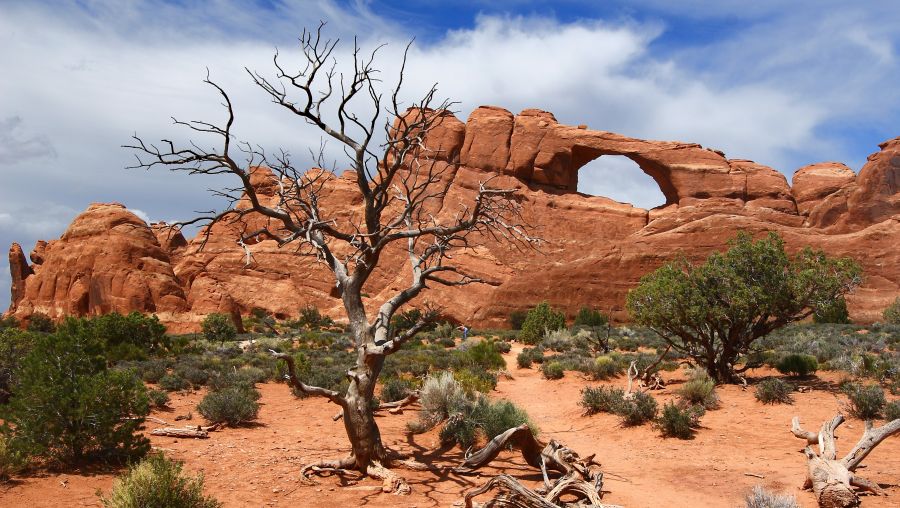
x: 464, y: 330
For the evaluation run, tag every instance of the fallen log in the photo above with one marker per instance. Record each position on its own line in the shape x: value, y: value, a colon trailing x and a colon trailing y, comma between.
x: 833, y: 479
x: 187, y: 432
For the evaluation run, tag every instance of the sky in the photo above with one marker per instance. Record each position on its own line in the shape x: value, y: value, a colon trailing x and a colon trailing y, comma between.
x: 783, y: 83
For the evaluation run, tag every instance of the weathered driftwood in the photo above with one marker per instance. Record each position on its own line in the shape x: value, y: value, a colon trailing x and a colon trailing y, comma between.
x: 581, y: 478
x: 833, y: 479
x: 192, y: 431
x: 186, y: 432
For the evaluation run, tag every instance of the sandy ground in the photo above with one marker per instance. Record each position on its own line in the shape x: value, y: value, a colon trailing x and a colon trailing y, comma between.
x: 738, y: 443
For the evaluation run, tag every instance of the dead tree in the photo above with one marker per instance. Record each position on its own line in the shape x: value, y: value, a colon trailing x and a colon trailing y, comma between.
x: 400, y: 187
x: 580, y: 477
x: 833, y: 479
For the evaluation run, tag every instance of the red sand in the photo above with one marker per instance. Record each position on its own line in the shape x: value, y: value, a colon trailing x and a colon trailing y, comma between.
x: 257, y: 466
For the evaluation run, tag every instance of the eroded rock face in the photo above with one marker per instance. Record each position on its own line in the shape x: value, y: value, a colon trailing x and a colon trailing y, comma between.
x: 107, y: 260
x: 594, y: 249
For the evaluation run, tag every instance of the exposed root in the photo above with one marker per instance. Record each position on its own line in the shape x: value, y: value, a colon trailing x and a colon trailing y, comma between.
x: 327, y: 468
x: 512, y: 494
x: 390, y: 482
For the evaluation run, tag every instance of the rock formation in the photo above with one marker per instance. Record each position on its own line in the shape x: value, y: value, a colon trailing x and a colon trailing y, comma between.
x: 595, y: 248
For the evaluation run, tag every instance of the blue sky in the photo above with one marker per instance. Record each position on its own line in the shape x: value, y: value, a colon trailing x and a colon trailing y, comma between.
x: 785, y: 86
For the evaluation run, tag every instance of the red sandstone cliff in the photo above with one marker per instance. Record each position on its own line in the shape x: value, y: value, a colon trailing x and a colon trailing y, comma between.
x: 595, y: 249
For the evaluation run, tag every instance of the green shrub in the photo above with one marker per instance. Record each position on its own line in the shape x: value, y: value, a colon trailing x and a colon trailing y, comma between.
x: 311, y: 318
x: 774, y: 391
x: 11, y: 460
x: 539, y: 321
x: 762, y: 498
x: 395, y: 389
x: 474, y: 381
x: 15, y: 345
x: 553, y: 370
x: 68, y: 407
x: 605, y: 367
x: 495, y: 418
x: 173, y: 383
x: 503, y: 346
x: 639, y: 409
x: 679, y: 420
x: 218, y: 327
x: 233, y: 406
x: 523, y: 359
x: 892, y: 411
x: 833, y: 312
x: 153, y: 371
x: 158, y: 398
x: 40, y: 323
x: 517, y: 319
x: 590, y: 318
x: 892, y: 312
x: 8, y: 322
x: 158, y: 481
x: 798, y: 365
x: 700, y: 390
x: 601, y: 399
x: 866, y: 402
x: 483, y: 355
x: 194, y: 375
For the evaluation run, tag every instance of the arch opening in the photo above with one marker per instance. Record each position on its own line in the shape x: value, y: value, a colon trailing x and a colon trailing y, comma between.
x: 619, y: 178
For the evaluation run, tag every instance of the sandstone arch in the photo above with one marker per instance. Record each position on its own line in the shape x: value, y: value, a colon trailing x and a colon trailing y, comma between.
x: 606, y: 175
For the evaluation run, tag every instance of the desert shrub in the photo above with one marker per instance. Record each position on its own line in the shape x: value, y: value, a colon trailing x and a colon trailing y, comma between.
x: 474, y: 381
x: 523, y: 359
x: 558, y: 340
x: 69, y: 407
x: 639, y: 409
x: 762, y: 498
x: 218, y: 327
x: 503, y: 346
x: 158, y: 481
x: 311, y: 318
x: 892, y: 411
x: 866, y: 402
x: 441, y: 397
x: 11, y: 460
x: 605, y: 367
x: 495, y: 418
x: 601, y: 399
x: 774, y: 391
x: 700, y: 389
x: 627, y: 344
x: 833, y: 312
x: 591, y: 318
x: 40, y: 323
x: 193, y: 374
x: 15, y: 345
x: 445, y: 331
x: 8, y: 322
x: 798, y: 365
x: 158, y: 398
x: 232, y: 405
x: 679, y: 420
x: 553, y: 370
x: 517, y: 319
x: 395, y: 389
x: 173, y: 383
x: 483, y: 355
x: 152, y: 371
x: 892, y: 312
x: 539, y: 321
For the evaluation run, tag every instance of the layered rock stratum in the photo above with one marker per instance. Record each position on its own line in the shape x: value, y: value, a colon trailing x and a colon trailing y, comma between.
x: 594, y: 249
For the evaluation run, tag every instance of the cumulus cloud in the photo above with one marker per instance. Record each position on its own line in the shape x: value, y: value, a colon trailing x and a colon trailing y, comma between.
x: 17, y: 144
x: 773, y: 89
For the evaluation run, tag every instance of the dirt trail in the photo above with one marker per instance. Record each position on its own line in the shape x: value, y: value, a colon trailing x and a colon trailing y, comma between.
x: 257, y: 466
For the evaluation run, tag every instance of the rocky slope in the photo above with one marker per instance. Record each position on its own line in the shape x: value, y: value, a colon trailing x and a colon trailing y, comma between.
x: 595, y: 249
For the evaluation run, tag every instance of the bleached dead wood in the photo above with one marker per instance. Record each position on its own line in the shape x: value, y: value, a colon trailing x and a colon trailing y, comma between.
x: 831, y: 479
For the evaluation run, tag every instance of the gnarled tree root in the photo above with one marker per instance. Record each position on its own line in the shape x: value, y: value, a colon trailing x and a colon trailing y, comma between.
x: 581, y: 478
x: 833, y: 479
x: 391, y: 482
